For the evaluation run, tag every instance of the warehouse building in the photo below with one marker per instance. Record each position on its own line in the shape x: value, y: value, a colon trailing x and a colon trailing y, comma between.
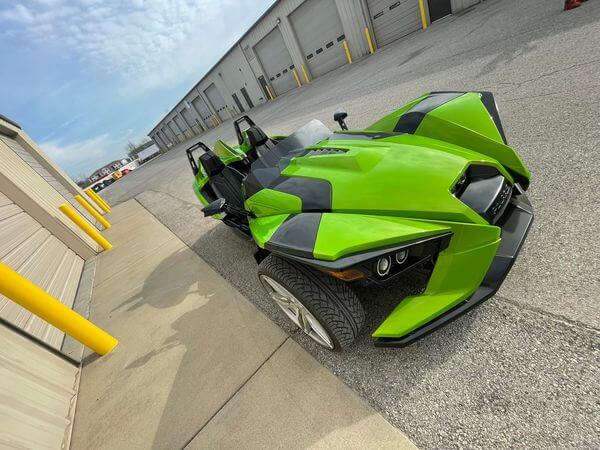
x: 292, y: 43
x: 38, y: 365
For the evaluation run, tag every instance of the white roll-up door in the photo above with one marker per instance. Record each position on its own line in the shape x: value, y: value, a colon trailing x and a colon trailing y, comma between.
x: 183, y: 127
x: 178, y: 137
x: 41, y: 171
x: 190, y: 121
x: 276, y: 61
x: 393, y: 19
x: 217, y: 101
x: 320, y: 34
x: 32, y: 251
x: 202, y: 109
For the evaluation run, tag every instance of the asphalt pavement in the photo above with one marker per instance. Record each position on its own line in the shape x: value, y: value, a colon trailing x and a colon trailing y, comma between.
x: 521, y: 370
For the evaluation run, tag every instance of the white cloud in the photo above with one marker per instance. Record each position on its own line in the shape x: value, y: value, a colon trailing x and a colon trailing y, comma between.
x: 144, y: 43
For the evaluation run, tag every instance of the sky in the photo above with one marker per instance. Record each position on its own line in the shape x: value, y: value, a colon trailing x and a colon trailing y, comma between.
x: 84, y: 77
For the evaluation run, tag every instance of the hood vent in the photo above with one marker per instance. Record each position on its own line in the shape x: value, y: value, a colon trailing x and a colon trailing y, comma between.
x: 326, y: 151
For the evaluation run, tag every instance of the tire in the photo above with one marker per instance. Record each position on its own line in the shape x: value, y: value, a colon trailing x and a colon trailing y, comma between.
x: 330, y: 301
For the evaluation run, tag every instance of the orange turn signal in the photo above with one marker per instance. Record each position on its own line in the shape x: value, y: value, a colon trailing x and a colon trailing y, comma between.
x: 346, y: 275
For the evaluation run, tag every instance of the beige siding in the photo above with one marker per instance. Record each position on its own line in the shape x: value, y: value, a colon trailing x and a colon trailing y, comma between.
x: 21, y: 175
x: 36, y: 254
x: 37, y: 395
x: 26, y: 156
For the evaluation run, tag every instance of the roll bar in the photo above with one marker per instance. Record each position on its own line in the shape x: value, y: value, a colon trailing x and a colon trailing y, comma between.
x: 190, y: 155
x: 236, y: 125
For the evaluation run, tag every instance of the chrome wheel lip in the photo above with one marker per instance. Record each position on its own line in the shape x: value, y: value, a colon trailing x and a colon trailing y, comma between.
x: 297, y: 312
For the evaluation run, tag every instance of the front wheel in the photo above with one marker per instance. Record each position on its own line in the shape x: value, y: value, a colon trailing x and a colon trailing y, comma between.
x: 322, y: 306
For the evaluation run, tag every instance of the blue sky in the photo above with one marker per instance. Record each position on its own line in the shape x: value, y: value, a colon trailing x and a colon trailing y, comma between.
x: 84, y: 77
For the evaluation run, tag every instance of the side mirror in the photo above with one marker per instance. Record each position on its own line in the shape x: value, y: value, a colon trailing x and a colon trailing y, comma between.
x: 339, y: 117
x: 213, y: 208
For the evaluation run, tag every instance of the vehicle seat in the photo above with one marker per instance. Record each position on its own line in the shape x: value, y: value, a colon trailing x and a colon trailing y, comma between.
x: 260, y: 142
x: 225, y: 180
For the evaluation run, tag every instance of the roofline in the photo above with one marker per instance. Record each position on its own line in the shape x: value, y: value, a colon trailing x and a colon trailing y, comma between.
x: 269, y: 9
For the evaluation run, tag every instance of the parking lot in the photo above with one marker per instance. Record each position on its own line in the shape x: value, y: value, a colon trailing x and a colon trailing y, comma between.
x: 522, y: 370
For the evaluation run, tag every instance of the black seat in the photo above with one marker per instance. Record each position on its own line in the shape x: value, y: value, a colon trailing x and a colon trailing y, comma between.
x: 260, y: 142
x: 225, y: 180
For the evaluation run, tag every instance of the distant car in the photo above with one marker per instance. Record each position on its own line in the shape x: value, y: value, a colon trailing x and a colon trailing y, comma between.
x: 98, y: 187
x: 125, y: 171
x: 108, y: 181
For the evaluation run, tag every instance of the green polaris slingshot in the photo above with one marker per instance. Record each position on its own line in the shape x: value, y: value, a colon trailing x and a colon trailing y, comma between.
x: 433, y: 184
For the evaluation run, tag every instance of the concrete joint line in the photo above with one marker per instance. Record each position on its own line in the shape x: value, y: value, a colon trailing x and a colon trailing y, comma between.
x: 236, y: 392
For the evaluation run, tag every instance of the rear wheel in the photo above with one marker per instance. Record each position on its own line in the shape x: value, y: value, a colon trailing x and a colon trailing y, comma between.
x: 322, y: 306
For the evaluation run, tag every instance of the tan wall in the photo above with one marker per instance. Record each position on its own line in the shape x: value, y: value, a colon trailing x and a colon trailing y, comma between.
x: 26, y: 188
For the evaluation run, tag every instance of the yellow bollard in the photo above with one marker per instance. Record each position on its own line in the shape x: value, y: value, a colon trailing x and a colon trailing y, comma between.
x: 31, y: 297
x: 101, y: 200
x: 91, y: 194
x: 348, y: 55
x: 85, y: 226
x: 269, y: 92
x: 369, y: 41
x: 89, y: 208
x: 229, y: 111
x: 304, y: 73
x: 423, y: 15
x: 297, y: 77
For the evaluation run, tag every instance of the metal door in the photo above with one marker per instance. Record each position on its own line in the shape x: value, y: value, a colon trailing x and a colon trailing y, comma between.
x: 202, y: 109
x: 393, y: 19
x: 238, y: 103
x: 439, y: 9
x: 276, y: 61
x: 38, y: 394
x: 247, y: 98
x: 320, y: 34
x: 41, y: 171
x: 36, y: 254
x: 217, y: 101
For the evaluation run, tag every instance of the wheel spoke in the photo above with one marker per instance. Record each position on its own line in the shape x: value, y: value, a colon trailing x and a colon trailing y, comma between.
x: 297, y: 312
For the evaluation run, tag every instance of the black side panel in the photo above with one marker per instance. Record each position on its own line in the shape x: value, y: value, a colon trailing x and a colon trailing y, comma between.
x: 315, y: 194
x: 487, y: 98
x: 296, y: 236
x: 410, y: 120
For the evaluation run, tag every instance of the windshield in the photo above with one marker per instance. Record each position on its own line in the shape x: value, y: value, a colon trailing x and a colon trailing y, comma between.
x: 292, y: 146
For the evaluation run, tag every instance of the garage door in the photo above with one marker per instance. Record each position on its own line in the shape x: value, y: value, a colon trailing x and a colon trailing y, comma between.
x: 320, y: 35
x: 166, y: 137
x: 217, y: 101
x: 190, y: 120
x: 182, y: 126
x: 175, y: 131
x: 202, y: 109
x: 36, y: 254
x: 41, y: 171
x: 393, y: 19
x: 276, y: 62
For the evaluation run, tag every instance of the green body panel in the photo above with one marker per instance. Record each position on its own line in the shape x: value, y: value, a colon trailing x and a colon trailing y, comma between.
x: 458, y: 272
x: 365, y: 232
x: 393, y: 189
x: 262, y: 228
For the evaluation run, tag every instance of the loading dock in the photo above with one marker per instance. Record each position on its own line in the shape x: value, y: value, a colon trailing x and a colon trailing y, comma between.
x: 202, y: 109
x: 393, y: 19
x: 217, y: 101
x: 319, y: 31
x: 276, y: 62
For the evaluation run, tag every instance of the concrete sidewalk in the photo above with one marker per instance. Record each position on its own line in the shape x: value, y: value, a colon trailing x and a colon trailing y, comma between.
x: 198, y: 365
